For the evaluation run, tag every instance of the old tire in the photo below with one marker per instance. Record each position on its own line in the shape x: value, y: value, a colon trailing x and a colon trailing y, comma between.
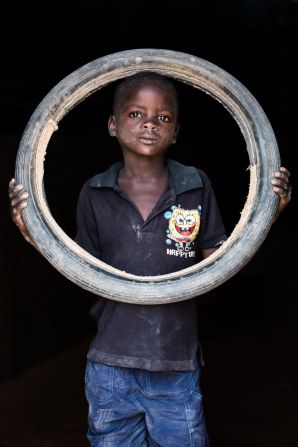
x: 90, y: 273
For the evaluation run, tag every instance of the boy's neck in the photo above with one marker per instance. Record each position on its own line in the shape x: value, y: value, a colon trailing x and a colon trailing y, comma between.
x: 143, y: 168
x: 144, y: 180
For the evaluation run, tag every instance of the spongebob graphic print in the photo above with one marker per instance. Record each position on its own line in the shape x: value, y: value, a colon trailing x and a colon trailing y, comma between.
x: 182, y: 230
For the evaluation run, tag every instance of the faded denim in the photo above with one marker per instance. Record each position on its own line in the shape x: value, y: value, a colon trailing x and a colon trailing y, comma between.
x: 139, y: 408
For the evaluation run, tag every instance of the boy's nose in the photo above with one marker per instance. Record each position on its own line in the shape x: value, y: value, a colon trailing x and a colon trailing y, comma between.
x: 151, y: 123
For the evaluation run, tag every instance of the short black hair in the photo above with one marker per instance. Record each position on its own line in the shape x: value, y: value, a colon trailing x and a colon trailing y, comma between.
x: 142, y: 78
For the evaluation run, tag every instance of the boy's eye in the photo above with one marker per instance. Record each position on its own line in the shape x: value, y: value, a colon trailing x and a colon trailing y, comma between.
x: 164, y: 118
x: 135, y: 114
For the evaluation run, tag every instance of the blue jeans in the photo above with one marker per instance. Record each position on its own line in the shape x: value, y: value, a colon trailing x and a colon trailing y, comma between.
x: 138, y: 408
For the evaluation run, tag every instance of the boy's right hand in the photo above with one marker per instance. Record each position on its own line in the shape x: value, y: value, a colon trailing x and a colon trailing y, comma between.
x: 18, y: 201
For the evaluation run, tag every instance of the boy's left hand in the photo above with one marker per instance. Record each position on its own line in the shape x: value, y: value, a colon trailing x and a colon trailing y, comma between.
x: 281, y: 185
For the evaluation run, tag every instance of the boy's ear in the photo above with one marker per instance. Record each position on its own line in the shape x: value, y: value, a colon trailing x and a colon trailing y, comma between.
x: 175, y: 134
x: 112, y: 126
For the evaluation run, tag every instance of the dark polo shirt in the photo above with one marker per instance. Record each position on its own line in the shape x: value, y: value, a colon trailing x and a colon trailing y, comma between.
x: 185, y: 219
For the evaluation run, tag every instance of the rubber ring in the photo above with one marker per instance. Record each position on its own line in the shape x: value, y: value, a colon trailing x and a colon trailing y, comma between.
x: 100, y: 278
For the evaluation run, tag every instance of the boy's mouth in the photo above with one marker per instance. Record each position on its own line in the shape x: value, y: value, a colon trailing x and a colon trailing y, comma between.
x: 147, y: 139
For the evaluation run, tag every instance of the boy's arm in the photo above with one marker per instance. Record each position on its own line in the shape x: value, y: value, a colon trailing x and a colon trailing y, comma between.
x: 18, y: 202
x: 280, y: 185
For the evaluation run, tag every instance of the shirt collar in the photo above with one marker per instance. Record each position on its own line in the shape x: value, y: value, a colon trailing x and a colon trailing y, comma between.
x: 182, y: 178
x: 108, y: 178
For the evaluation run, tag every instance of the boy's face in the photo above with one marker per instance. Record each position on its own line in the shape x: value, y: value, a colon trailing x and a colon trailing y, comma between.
x: 145, y: 122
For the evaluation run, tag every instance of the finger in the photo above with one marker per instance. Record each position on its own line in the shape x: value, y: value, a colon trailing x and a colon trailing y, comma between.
x: 285, y: 170
x: 18, y: 220
x: 20, y: 225
x: 280, y: 183
x: 284, y: 194
x: 15, y: 190
x: 280, y: 191
x: 12, y: 183
x: 18, y: 199
x: 16, y: 215
x: 16, y: 210
x: 281, y: 175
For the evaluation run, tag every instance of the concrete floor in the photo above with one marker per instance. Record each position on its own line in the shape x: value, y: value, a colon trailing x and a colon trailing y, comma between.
x: 249, y: 383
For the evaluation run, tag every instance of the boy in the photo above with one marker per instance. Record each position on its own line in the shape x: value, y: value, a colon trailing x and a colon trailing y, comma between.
x: 148, y: 216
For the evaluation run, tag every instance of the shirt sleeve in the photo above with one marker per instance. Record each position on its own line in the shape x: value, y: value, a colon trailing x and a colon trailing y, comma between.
x: 87, y: 232
x: 212, y: 231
